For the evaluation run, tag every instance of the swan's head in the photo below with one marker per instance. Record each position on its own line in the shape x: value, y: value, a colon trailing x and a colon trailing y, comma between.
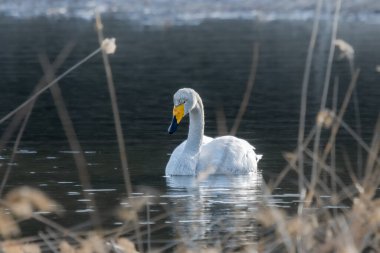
x: 184, y: 101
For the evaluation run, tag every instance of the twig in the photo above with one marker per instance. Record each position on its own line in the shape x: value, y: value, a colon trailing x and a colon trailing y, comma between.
x: 33, y: 97
x: 339, y: 117
x: 359, y: 140
x: 348, y: 165
x: 13, y: 156
x: 56, y: 226
x: 61, y: 58
x: 47, y: 242
x: 221, y: 124
x: 303, y: 105
x: 148, y: 226
x: 288, y: 167
x: 305, y: 85
x: 333, y: 150
x: 315, y: 169
x: 373, y: 156
x: 70, y: 133
x: 28, y: 111
x: 118, y: 128
x: 279, y: 221
x: 115, y: 110
x: 358, y: 128
x: 248, y: 90
x: 327, y: 168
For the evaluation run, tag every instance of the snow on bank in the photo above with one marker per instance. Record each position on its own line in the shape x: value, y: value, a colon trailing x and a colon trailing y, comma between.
x: 177, y: 12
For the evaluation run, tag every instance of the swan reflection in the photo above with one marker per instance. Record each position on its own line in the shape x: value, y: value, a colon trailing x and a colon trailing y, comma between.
x: 218, y: 209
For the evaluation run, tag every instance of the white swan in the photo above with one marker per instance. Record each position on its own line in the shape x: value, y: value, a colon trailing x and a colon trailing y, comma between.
x: 222, y: 155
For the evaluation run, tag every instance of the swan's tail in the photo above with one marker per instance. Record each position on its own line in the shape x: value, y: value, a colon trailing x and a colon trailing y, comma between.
x: 258, y: 157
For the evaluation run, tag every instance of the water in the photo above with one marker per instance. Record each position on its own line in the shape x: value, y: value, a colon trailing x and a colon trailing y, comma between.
x: 150, y: 65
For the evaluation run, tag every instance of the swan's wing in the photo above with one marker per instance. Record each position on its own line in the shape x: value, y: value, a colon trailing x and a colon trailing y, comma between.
x: 228, y: 155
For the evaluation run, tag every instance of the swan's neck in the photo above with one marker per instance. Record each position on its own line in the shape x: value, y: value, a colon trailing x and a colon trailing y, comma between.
x: 195, y: 136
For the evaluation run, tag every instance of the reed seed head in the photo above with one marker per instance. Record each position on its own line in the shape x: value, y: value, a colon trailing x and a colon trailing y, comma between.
x: 125, y: 245
x: 22, y: 201
x: 268, y: 216
x: 8, y: 226
x: 65, y: 247
x: 346, y: 50
x: 97, y: 243
x: 325, y: 118
x: 16, y: 247
x: 109, y: 45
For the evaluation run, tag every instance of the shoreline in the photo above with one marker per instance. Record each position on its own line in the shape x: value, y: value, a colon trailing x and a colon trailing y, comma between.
x: 157, y: 13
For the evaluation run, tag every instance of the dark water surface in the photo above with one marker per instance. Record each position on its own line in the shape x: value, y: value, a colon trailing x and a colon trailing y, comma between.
x: 149, y: 66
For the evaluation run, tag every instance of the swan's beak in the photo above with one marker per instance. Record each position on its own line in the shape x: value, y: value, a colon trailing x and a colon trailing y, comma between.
x: 178, y: 113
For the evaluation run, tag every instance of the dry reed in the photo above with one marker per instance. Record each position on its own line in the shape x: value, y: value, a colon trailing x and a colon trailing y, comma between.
x: 71, y: 136
x: 23, y: 201
x: 109, y: 47
x: 16, y: 247
x: 8, y: 226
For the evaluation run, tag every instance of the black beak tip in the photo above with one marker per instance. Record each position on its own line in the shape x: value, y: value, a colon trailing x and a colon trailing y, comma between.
x: 173, y: 126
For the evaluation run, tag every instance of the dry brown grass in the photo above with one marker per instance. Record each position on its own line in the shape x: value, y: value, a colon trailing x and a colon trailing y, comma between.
x: 355, y: 230
x: 125, y: 245
x: 8, y: 226
x: 17, y: 247
x: 23, y: 201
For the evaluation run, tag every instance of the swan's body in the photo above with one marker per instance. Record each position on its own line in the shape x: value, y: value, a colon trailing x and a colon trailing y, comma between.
x: 199, y: 153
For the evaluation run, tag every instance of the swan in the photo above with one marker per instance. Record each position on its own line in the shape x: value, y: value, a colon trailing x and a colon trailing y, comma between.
x: 200, y: 153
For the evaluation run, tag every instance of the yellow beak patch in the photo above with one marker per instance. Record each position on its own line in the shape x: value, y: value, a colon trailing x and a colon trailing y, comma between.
x: 179, y: 112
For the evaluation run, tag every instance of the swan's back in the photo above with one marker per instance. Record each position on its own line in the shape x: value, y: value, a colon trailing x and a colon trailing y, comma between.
x: 228, y: 155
